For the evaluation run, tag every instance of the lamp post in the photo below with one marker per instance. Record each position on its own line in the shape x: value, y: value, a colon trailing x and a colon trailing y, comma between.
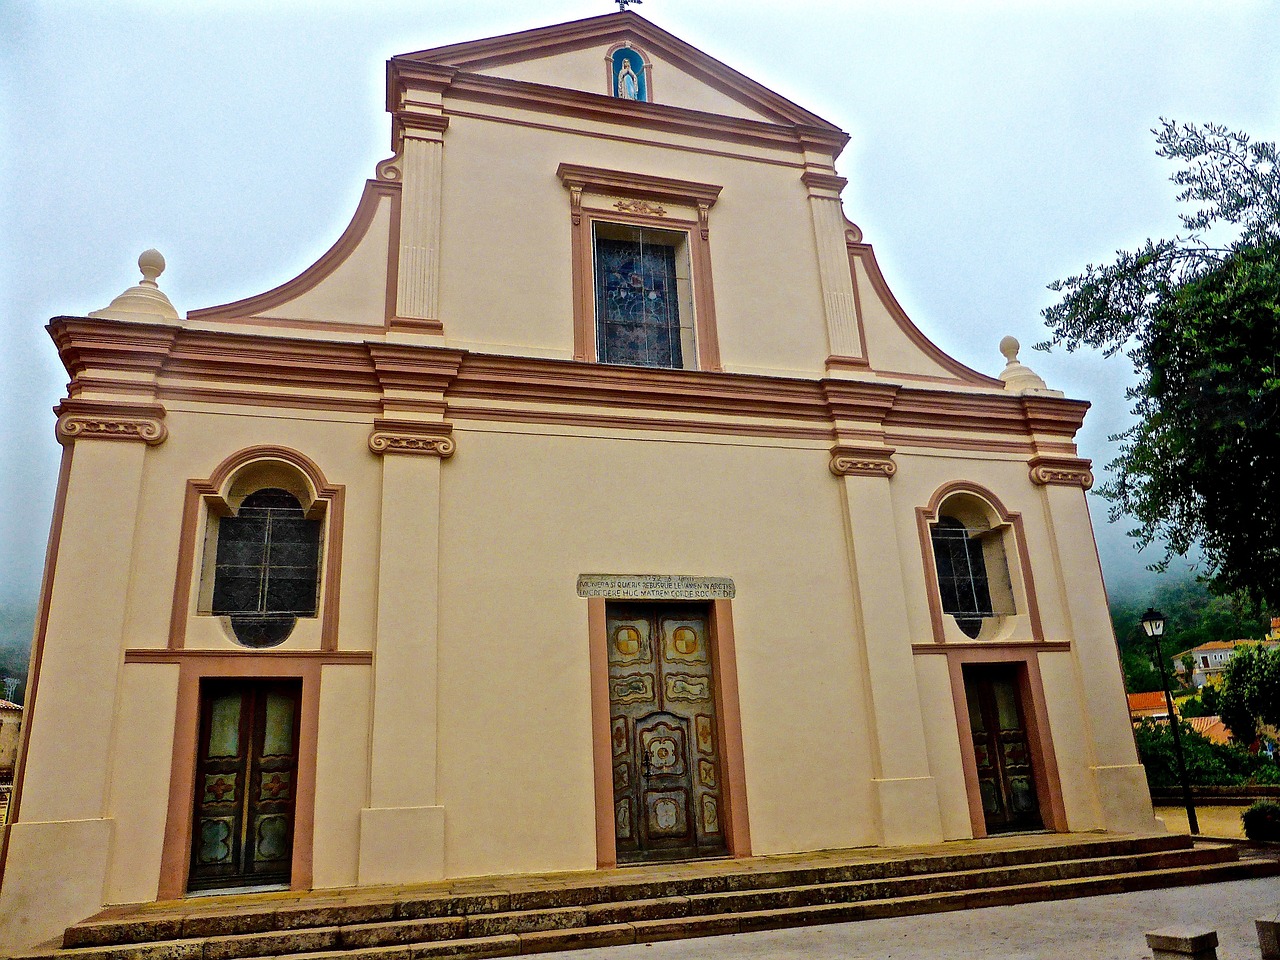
x: 1153, y: 625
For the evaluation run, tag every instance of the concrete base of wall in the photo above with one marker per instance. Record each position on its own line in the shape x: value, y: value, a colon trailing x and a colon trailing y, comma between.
x: 55, y: 875
x: 401, y: 844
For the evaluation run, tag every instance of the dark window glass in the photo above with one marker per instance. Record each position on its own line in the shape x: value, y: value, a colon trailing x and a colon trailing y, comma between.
x: 267, y: 569
x: 637, y: 305
x: 962, y: 574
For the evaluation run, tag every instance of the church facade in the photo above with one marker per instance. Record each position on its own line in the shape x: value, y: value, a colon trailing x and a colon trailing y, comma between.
x: 591, y: 502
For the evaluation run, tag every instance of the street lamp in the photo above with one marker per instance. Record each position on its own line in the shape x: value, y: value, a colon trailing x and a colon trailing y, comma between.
x: 1153, y: 625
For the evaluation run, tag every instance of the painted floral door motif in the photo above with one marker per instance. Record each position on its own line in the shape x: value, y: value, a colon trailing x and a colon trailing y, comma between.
x: 242, y: 830
x: 1006, y: 779
x: 665, y: 748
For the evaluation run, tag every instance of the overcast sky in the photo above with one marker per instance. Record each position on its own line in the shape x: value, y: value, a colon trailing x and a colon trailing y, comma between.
x: 996, y: 146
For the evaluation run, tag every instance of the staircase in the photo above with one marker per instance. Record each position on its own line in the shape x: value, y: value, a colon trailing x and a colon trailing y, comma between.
x: 505, y: 916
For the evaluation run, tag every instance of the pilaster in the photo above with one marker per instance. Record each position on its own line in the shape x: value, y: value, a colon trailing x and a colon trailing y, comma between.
x: 864, y: 466
x: 1121, y: 786
x: 59, y: 845
x: 839, y: 303
x: 402, y: 829
x: 421, y: 166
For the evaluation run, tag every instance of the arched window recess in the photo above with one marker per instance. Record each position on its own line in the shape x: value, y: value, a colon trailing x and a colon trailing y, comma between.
x: 977, y: 571
x: 270, y: 550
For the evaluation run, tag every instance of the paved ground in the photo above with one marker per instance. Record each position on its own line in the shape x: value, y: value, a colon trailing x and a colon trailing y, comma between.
x: 1093, y: 928
x: 1221, y: 821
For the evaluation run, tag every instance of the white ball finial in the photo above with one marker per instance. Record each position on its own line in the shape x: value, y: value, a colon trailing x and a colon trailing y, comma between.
x: 1009, y: 346
x: 151, y: 263
x: 1018, y: 377
x: 144, y: 301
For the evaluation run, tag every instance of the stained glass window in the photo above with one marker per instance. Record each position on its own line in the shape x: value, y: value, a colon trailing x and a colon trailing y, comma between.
x: 267, y: 567
x: 962, y: 574
x: 644, y: 308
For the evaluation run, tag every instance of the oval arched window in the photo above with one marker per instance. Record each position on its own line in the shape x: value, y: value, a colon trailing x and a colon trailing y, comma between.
x: 268, y: 567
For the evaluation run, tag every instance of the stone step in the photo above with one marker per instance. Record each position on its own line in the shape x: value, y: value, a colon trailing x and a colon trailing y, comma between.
x: 698, y: 915
x: 650, y: 931
x: 190, y: 920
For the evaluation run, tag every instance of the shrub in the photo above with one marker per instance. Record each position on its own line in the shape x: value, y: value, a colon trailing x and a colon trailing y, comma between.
x: 1262, y: 821
x: 1208, y: 763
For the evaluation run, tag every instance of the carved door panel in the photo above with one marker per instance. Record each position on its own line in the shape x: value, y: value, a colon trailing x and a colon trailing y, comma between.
x: 247, y: 762
x: 1006, y: 779
x: 666, y: 752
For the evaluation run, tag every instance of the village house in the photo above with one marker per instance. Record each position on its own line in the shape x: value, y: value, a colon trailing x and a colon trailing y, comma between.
x: 591, y: 502
x: 1207, y: 662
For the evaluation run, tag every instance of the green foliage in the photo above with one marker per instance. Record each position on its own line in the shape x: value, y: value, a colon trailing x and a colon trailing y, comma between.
x: 1201, y: 325
x: 16, y: 623
x: 1250, y: 694
x: 1262, y: 821
x: 1208, y: 763
x: 1193, y: 616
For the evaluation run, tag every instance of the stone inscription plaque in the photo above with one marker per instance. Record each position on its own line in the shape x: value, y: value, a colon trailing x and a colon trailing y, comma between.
x: 654, y: 586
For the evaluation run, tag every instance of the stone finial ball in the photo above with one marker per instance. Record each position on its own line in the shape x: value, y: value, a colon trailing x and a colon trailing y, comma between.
x: 1010, y: 347
x: 151, y: 263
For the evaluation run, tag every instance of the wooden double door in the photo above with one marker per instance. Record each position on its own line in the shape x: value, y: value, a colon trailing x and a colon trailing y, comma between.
x: 1002, y: 748
x: 246, y: 783
x: 665, y: 741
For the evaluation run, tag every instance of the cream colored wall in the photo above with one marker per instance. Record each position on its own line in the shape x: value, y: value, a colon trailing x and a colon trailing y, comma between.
x: 506, y: 277
x: 342, y: 771
x: 942, y: 744
x: 587, y: 70
x: 142, y: 753
x: 525, y: 514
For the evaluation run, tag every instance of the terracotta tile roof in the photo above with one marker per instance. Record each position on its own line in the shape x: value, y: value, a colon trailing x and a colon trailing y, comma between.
x: 1146, y: 701
x: 9, y: 705
x: 1211, y: 728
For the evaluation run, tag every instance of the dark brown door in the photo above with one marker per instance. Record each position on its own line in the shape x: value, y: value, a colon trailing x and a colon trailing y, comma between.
x: 666, y: 752
x: 246, y: 779
x: 997, y: 721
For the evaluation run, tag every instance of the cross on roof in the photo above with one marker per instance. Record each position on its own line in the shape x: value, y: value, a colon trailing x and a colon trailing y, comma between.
x: 622, y: 4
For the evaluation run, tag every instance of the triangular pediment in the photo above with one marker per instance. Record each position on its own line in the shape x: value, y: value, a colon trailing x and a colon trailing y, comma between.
x: 574, y: 56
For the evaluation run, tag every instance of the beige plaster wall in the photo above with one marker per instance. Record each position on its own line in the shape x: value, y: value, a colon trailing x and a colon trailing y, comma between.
x: 139, y: 794
x: 524, y: 515
x: 587, y: 70
x: 942, y: 744
x: 342, y: 773
x: 506, y: 279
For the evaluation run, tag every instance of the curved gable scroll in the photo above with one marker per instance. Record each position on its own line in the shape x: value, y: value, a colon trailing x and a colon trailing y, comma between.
x: 894, y: 344
x: 217, y: 496
x: 353, y: 284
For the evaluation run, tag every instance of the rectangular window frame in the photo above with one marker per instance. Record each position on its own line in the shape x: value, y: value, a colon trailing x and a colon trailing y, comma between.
x: 615, y: 197
x: 682, y: 296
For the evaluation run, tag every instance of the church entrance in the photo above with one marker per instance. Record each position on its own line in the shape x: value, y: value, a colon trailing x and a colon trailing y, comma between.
x: 1002, y: 753
x: 246, y: 778
x: 663, y: 732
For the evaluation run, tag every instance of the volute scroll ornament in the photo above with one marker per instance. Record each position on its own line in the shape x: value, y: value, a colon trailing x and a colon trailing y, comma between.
x: 863, y: 462
x: 390, y: 168
x: 1061, y: 471
x: 72, y: 427
x: 102, y: 420
x: 425, y: 439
